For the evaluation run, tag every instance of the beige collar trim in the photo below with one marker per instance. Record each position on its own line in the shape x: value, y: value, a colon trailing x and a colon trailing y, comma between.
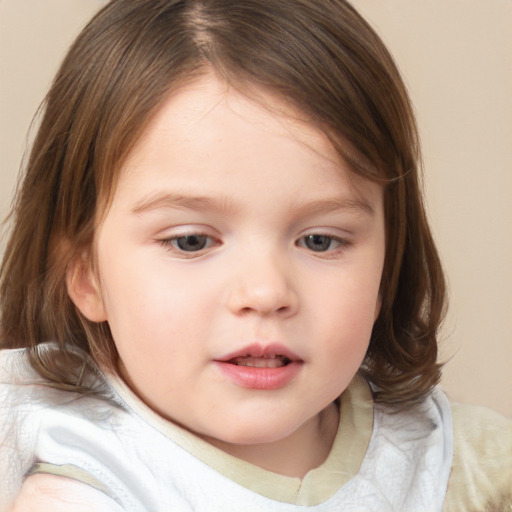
x: 319, y: 484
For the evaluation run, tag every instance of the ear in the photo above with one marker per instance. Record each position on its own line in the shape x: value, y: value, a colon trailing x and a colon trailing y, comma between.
x: 84, y: 290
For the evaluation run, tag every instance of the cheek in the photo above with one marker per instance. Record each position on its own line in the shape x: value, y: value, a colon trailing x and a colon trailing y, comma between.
x: 351, y: 301
x: 347, y: 315
x: 349, y: 337
x: 155, y: 312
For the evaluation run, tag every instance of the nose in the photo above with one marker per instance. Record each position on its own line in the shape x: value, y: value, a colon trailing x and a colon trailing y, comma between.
x: 264, y: 286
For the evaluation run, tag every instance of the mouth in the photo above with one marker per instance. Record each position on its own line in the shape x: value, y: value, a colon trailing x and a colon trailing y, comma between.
x: 266, y: 361
x: 274, y: 355
x: 261, y: 367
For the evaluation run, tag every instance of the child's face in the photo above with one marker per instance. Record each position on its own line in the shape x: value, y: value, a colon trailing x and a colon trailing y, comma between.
x: 235, y: 232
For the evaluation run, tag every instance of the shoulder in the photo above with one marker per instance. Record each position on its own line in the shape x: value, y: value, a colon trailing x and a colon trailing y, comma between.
x: 41, y: 422
x: 19, y: 377
x: 14, y: 367
x: 24, y: 393
x: 481, y: 476
x: 17, y: 399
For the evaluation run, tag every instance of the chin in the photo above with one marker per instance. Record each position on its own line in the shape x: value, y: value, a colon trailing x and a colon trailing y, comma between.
x: 246, y: 434
x: 254, y: 438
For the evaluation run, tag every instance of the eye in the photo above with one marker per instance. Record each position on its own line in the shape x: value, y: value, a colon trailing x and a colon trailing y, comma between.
x: 321, y: 243
x: 189, y: 243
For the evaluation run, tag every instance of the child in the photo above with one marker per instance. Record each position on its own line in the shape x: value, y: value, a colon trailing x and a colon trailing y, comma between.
x: 220, y: 291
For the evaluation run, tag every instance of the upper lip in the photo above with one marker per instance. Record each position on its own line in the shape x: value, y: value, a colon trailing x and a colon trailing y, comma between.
x: 261, y: 350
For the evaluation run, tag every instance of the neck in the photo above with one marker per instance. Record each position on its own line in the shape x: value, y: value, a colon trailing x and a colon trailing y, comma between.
x: 297, y: 454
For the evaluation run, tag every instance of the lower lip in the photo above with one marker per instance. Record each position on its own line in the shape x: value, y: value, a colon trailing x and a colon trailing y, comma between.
x: 260, y: 378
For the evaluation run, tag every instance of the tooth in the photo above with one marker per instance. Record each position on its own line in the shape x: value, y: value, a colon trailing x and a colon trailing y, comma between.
x: 256, y: 362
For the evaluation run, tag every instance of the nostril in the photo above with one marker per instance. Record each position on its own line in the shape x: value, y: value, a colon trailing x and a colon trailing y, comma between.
x: 248, y: 310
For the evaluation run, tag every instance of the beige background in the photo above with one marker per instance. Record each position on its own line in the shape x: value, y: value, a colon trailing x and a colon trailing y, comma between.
x: 456, y: 56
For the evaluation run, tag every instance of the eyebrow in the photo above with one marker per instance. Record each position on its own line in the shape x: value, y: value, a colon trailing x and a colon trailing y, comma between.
x: 170, y: 200
x: 224, y: 205
x: 355, y: 204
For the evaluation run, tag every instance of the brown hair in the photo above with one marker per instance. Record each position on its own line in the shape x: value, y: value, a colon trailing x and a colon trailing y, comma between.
x: 321, y: 57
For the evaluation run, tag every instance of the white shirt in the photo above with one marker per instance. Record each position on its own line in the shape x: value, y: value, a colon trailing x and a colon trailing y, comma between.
x: 138, y: 461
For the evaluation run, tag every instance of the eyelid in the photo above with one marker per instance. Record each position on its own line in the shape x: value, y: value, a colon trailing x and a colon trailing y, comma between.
x: 343, y: 243
x: 330, y: 231
x: 183, y: 232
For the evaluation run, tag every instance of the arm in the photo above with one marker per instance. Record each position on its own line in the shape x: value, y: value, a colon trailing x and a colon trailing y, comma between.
x: 50, y: 493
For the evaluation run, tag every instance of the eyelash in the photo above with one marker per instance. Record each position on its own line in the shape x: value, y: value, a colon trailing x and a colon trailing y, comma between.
x: 206, y: 242
x: 341, y: 244
x: 173, y: 243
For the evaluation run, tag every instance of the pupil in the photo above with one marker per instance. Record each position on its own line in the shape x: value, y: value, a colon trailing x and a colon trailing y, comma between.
x: 318, y: 243
x: 191, y: 242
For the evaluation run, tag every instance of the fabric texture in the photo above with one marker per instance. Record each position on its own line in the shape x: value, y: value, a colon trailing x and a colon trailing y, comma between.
x: 142, y: 462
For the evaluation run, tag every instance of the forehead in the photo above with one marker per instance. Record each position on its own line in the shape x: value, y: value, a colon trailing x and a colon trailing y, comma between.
x: 190, y: 107
x: 210, y: 125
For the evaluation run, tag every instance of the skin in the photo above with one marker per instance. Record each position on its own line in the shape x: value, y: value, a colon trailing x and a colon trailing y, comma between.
x: 251, y: 182
x: 48, y: 493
